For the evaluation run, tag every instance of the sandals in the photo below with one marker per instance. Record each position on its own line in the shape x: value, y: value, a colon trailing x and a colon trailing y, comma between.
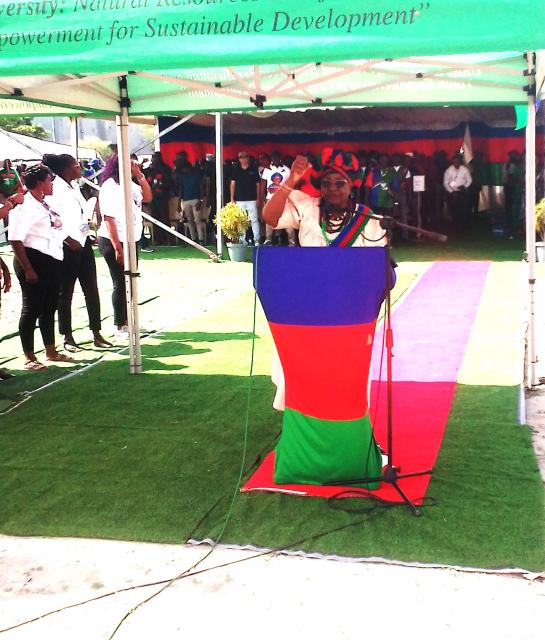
x: 60, y: 357
x: 102, y: 344
x: 72, y: 348
x: 34, y: 365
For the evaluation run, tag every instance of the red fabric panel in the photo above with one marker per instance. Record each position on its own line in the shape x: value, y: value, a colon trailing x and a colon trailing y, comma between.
x: 326, y: 368
x: 197, y: 150
x: 419, y: 416
x: 496, y: 149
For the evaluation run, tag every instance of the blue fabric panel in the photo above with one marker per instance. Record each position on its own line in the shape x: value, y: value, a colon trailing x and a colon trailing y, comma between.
x: 320, y: 286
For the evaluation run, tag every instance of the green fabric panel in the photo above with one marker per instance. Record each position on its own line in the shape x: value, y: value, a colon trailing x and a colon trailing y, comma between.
x: 314, y: 451
x: 115, y: 35
x: 493, y: 174
x: 521, y: 114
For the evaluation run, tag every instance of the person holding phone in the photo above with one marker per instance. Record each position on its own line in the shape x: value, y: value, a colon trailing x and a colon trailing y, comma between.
x: 111, y: 239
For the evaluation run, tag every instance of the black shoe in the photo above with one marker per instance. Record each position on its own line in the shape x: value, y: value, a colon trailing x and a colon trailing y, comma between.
x: 5, y: 375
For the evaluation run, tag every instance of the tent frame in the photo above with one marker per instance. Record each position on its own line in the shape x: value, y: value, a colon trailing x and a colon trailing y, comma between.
x: 250, y: 93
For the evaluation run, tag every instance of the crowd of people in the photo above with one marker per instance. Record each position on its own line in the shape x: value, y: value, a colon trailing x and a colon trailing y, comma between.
x: 449, y: 200
x: 50, y: 234
x: 49, y: 217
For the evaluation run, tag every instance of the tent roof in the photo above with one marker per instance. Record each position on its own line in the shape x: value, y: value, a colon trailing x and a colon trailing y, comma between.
x: 18, y: 147
x: 368, y: 119
x: 217, y: 56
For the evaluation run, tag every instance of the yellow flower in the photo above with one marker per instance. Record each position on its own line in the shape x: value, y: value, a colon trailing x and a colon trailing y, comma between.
x: 234, y: 221
x: 540, y: 218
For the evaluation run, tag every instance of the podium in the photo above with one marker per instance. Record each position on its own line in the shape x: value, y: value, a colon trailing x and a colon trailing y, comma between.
x: 322, y: 304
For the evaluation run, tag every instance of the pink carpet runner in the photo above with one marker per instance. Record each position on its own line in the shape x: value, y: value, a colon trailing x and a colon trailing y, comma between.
x: 431, y: 329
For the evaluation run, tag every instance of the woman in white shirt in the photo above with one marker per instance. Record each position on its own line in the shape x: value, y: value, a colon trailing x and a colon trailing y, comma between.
x: 79, y: 259
x: 36, y: 236
x: 112, y: 233
x: 5, y: 276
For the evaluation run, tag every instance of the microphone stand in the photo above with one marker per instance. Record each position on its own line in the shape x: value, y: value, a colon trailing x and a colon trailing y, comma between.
x: 391, y: 473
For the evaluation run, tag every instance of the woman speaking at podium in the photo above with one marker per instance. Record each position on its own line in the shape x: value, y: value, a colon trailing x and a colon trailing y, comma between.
x: 321, y: 220
x: 307, y: 452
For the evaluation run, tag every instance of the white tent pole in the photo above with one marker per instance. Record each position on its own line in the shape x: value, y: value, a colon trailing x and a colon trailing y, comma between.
x: 219, y: 180
x: 165, y: 131
x: 122, y: 123
x: 177, y: 234
x: 74, y: 136
x: 530, y: 221
x: 157, y: 136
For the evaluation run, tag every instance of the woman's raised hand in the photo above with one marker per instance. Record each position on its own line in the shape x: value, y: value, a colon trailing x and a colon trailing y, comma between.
x: 298, y: 169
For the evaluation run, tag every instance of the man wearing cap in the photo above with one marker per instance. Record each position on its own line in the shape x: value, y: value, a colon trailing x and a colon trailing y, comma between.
x: 456, y: 181
x: 245, y: 190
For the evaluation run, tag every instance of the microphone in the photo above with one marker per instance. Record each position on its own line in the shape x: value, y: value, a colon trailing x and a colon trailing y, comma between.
x: 388, y: 223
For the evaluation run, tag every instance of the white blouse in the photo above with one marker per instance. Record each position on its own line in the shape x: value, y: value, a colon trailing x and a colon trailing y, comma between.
x: 68, y: 202
x: 110, y: 199
x: 303, y: 212
x: 37, y: 227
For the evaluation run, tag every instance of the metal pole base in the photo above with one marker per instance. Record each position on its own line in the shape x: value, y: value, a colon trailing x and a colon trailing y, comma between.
x: 390, y: 475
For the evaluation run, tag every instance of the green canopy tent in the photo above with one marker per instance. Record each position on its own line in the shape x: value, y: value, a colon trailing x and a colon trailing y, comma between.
x: 133, y: 57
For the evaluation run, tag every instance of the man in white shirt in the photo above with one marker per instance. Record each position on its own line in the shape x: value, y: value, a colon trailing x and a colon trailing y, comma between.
x: 273, y: 177
x: 456, y: 180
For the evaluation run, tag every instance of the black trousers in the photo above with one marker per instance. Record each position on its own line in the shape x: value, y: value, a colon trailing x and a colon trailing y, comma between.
x: 40, y: 300
x: 117, y: 272
x: 79, y: 265
x: 458, y: 204
x: 159, y: 210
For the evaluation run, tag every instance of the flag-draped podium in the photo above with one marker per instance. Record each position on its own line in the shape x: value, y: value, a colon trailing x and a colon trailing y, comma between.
x: 322, y: 305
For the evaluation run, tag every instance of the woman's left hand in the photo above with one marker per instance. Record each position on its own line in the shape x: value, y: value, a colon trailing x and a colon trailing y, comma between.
x: 135, y: 170
x: 6, y: 277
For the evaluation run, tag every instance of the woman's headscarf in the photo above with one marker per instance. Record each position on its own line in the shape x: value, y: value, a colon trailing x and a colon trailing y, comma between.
x: 342, y: 162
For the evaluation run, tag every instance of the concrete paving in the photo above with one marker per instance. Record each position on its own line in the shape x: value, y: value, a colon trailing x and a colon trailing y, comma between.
x: 265, y: 597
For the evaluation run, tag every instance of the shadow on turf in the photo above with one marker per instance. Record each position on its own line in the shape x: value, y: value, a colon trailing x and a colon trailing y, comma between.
x: 173, y: 344
x: 202, y: 336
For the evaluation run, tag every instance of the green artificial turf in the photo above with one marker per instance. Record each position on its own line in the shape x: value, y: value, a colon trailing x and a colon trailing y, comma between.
x: 156, y: 457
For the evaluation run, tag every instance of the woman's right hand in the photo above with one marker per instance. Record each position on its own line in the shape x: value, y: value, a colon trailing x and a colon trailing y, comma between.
x: 119, y: 257
x: 298, y: 169
x: 31, y: 276
x: 16, y: 198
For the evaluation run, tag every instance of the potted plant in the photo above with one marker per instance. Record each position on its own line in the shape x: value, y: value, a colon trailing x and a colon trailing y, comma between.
x: 540, y: 230
x: 234, y: 221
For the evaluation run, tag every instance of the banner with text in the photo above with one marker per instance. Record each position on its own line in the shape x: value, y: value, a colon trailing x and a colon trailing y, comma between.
x: 59, y: 36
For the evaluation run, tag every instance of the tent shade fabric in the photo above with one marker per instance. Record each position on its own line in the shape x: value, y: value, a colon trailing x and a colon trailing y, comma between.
x: 19, y: 147
x: 203, y: 56
x: 99, y: 36
x: 484, y: 79
x: 334, y: 120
